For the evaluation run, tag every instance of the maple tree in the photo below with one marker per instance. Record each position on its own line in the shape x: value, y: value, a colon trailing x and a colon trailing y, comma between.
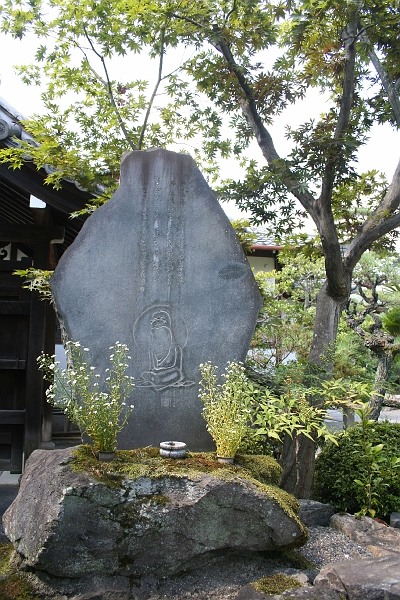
x: 249, y: 60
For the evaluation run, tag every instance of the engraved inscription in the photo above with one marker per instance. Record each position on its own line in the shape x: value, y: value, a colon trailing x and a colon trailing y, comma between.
x: 143, y: 242
x: 162, y: 236
x: 157, y: 232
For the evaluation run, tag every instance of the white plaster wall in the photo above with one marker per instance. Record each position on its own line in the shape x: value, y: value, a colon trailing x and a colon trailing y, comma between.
x: 261, y: 263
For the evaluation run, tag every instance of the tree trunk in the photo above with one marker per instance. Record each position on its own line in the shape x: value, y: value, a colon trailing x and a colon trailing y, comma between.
x: 298, y: 455
x: 326, y: 325
x: 381, y: 378
x: 298, y: 461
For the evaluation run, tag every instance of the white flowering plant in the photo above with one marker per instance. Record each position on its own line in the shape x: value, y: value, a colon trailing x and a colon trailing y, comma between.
x: 227, y: 406
x: 77, y: 391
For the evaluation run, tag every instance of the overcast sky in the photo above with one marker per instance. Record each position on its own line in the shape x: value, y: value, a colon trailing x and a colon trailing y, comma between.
x: 381, y: 152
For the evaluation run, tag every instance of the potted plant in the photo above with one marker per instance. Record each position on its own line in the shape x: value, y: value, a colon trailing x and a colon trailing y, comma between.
x: 226, y: 407
x: 76, y: 390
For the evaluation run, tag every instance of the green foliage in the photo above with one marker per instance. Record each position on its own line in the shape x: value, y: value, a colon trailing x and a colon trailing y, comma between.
x: 352, y: 360
x: 246, y: 237
x: 372, y: 458
x: 36, y: 279
x: 289, y: 414
x: 367, y: 453
x: 355, y: 199
x: 286, y: 320
x: 226, y: 406
x: 284, y: 331
x: 391, y: 321
x: 101, y: 415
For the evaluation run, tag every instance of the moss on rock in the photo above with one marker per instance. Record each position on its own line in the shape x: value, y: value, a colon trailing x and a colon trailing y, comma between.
x: 276, y: 584
x: 6, y: 551
x: 15, y: 587
x: 147, y: 462
x: 263, y: 468
x: 261, y: 471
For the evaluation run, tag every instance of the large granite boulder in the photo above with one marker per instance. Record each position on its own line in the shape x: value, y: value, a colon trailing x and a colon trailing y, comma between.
x: 69, y: 524
x: 159, y: 268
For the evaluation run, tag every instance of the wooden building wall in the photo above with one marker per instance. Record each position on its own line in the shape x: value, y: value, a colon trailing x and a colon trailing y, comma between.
x: 27, y: 323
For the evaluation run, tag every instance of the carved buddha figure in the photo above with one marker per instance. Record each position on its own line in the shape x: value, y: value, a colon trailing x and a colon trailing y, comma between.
x: 164, y: 353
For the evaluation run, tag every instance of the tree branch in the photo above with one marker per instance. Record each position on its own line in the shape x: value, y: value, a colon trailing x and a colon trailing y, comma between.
x: 383, y: 220
x: 187, y: 19
x: 227, y: 17
x: 262, y: 135
x: 150, y: 105
x: 390, y: 88
x: 107, y: 84
x: 348, y: 36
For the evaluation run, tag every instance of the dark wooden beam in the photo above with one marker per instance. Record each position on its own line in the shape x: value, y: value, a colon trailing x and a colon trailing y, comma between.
x: 12, y: 417
x: 14, y: 307
x: 11, y: 232
x: 68, y: 199
x: 12, y: 363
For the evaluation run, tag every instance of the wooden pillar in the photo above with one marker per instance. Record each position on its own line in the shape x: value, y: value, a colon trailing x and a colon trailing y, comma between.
x: 34, y: 378
x: 38, y: 427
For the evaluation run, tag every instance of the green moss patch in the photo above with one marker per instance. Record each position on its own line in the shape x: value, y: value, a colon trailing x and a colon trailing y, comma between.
x: 261, y: 471
x: 147, y: 462
x: 15, y: 587
x: 5, y: 554
x: 276, y: 584
x: 263, y: 468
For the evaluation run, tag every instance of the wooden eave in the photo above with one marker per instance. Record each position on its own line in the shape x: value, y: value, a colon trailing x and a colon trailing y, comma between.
x: 16, y: 187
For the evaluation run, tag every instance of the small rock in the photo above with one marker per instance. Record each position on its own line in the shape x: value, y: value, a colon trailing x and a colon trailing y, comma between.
x: 314, y: 513
x: 370, y: 579
x: 249, y: 593
x: 377, y: 537
x: 395, y: 520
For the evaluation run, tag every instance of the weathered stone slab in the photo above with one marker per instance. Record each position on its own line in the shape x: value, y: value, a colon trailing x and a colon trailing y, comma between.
x: 160, y: 269
x: 380, y: 539
x: 369, y: 579
x: 68, y: 524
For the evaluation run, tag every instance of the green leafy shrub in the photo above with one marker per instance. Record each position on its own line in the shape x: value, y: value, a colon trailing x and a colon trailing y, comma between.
x: 339, y: 466
x: 226, y: 406
x: 76, y: 390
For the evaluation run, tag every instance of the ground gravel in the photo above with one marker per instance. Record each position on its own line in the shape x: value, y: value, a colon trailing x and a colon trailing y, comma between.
x: 326, y: 545
x: 224, y: 576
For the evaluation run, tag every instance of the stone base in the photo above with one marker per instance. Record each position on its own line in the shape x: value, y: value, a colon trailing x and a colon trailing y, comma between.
x: 69, y: 525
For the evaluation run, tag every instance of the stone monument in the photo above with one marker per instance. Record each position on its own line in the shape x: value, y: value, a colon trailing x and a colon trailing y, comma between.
x: 159, y: 268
